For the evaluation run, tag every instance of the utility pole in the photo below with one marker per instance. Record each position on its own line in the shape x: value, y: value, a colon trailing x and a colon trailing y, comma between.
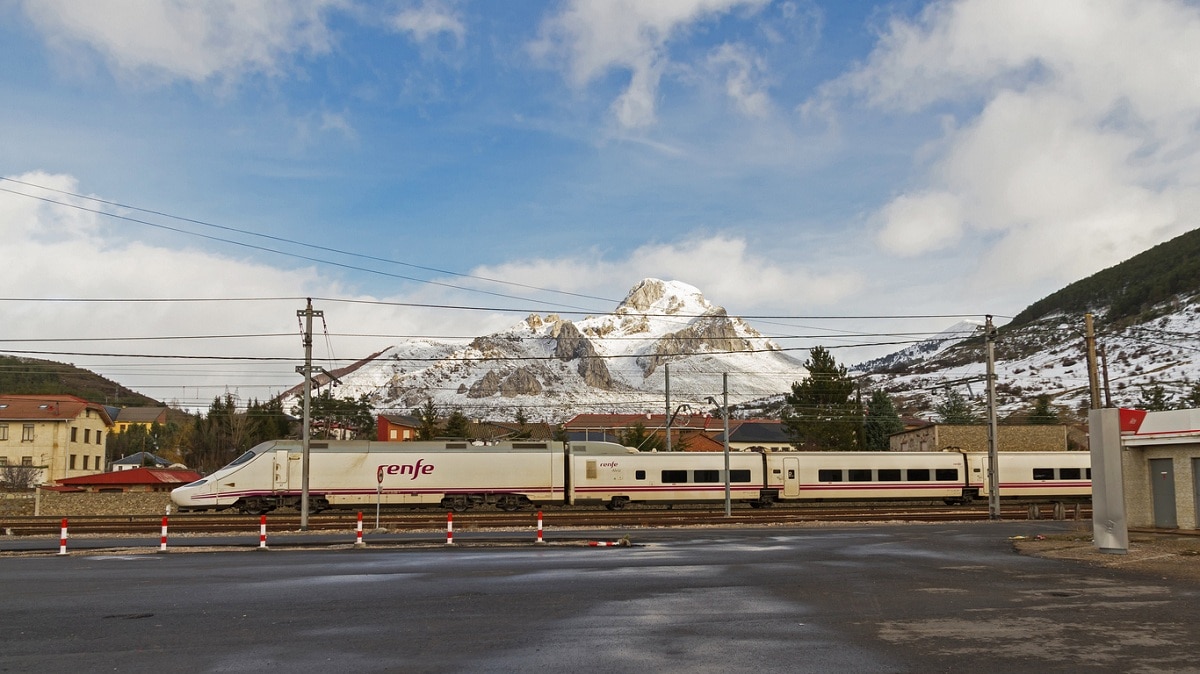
x: 993, y: 450
x: 1093, y: 377
x: 667, y: 387
x: 724, y: 406
x: 1104, y: 374
x: 307, y: 313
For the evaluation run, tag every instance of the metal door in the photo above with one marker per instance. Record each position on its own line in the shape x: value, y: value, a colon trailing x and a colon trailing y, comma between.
x: 791, y: 477
x: 1162, y: 492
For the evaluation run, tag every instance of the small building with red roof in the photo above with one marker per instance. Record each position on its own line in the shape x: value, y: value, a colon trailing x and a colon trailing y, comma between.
x: 133, y: 480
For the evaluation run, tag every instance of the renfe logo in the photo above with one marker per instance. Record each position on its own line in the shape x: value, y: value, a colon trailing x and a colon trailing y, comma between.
x: 413, y: 469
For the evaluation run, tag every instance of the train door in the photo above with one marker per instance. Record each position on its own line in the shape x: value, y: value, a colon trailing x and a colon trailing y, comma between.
x: 1162, y: 493
x: 791, y: 477
x: 281, y: 470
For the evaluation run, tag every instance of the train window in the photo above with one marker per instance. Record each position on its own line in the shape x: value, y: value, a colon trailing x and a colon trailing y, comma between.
x: 1069, y: 473
x: 860, y: 475
x: 889, y: 474
x: 739, y: 476
x: 917, y: 475
x: 1043, y: 473
x: 829, y: 475
x: 707, y: 476
x: 1089, y: 473
x: 946, y: 474
x: 674, y: 476
x: 639, y: 475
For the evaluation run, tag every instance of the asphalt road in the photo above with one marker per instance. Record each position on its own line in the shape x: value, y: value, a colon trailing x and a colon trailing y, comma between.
x: 904, y: 598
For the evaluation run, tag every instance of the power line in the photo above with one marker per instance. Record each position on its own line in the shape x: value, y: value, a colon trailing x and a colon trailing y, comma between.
x: 269, y: 237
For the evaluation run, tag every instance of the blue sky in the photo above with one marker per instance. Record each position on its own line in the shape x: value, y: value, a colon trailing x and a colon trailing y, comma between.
x: 788, y: 158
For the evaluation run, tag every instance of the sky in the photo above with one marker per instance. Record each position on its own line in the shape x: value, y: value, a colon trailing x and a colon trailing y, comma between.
x: 178, y: 177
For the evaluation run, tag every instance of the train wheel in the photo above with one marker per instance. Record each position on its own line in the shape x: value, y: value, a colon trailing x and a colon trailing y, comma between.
x: 617, y: 503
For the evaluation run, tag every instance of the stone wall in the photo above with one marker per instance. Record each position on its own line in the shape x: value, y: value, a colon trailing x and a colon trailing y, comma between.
x: 16, y: 504
x: 974, y: 438
x: 85, y: 503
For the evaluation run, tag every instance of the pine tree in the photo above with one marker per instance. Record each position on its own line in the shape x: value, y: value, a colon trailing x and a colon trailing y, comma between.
x: 881, y: 423
x: 427, y: 414
x: 637, y: 436
x: 820, y: 413
x: 956, y: 410
x: 457, y: 425
x: 1154, y: 399
x: 1043, y: 412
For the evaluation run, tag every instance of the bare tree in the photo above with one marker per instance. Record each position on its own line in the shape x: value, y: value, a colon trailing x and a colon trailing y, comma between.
x: 20, y: 476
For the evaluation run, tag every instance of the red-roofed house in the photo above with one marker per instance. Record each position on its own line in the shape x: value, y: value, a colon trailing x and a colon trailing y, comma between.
x: 60, y: 435
x: 136, y: 479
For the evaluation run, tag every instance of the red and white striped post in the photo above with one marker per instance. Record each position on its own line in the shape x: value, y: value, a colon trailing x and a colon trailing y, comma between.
x: 358, y: 542
x: 262, y: 533
x: 539, y: 538
x: 449, y: 528
x: 62, y: 539
x: 162, y: 546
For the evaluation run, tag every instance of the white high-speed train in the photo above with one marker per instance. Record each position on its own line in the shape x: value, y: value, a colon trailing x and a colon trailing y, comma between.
x: 509, y: 475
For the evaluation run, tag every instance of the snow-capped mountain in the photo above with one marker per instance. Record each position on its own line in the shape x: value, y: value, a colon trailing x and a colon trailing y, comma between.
x: 1048, y: 356
x: 1146, y: 318
x: 552, y: 368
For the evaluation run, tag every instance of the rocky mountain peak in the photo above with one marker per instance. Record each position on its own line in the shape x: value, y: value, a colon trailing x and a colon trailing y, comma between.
x: 663, y: 297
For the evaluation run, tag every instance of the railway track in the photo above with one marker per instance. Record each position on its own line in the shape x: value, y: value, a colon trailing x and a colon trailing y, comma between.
x: 429, y: 519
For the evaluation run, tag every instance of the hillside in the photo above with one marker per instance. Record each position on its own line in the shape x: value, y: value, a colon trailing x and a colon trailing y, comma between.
x: 1148, y: 281
x: 32, y: 376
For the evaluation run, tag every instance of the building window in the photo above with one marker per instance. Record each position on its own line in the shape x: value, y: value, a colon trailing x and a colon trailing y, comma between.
x: 72, y: 462
x: 87, y: 435
x: 97, y: 464
x: 3, y: 431
x: 74, y: 434
x: 3, y: 460
x: 85, y: 460
x: 26, y: 460
x: 27, y: 433
x: 98, y: 434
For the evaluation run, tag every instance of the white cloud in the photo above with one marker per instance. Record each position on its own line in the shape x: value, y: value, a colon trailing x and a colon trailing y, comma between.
x: 592, y: 38
x: 56, y: 252
x: 430, y: 20
x: 723, y: 267
x: 149, y: 41
x: 918, y: 223
x: 742, y: 85
x: 1078, y: 141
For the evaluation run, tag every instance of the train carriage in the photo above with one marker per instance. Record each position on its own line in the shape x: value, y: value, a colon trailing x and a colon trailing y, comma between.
x: 865, y: 475
x: 614, y: 475
x: 1033, y: 474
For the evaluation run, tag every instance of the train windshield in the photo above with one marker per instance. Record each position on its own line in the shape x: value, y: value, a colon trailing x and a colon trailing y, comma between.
x: 241, y: 459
